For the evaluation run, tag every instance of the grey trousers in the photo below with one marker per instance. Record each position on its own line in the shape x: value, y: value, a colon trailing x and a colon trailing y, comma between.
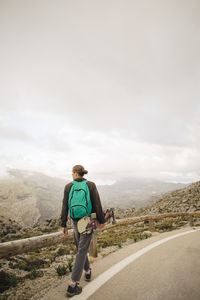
x: 82, y: 242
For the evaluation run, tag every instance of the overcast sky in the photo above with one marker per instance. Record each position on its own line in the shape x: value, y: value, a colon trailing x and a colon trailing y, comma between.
x: 113, y: 85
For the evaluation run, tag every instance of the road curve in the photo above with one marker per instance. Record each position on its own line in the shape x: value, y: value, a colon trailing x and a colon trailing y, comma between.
x: 164, y: 267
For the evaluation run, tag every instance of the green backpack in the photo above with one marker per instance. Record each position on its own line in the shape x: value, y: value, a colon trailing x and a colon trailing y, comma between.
x: 79, y: 201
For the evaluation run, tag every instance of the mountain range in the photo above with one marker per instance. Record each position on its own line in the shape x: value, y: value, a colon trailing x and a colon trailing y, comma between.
x: 29, y: 198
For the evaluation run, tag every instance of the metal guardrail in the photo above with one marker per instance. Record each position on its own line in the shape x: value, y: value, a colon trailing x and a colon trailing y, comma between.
x: 11, y: 248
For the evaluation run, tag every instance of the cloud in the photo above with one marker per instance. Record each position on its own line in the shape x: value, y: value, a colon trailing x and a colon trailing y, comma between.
x: 113, y: 86
x: 12, y: 133
x: 107, y: 156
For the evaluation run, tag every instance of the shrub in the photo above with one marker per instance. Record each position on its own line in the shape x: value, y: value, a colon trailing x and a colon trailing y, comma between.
x: 166, y: 225
x: 34, y: 274
x: 63, y: 251
x: 8, y: 280
x: 136, y: 239
x: 144, y: 236
x: 29, y: 264
x: 61, y: 270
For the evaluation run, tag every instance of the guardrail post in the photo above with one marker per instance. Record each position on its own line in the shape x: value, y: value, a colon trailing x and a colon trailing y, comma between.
x: 93, y: 246
x: 151, y: 225
x: 191, y: 220
x: 109, y: 220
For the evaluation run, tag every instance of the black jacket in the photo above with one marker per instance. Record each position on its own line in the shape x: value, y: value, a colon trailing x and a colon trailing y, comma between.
x: 95, y: 199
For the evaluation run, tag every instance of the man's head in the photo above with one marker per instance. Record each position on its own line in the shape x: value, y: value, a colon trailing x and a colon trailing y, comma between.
x: 78, y: 171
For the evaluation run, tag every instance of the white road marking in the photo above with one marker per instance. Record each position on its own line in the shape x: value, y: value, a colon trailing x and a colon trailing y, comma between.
x: 94, y: 285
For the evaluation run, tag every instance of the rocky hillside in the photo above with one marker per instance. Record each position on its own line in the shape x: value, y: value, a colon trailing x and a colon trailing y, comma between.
x: 181, y: 200
x: 11, y: 230
x: 29, y: 198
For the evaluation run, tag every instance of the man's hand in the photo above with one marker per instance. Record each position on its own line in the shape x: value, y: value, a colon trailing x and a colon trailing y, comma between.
x: 65, y: 231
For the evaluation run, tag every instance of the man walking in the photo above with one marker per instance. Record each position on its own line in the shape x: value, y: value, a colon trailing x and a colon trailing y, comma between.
x: 81, y: 240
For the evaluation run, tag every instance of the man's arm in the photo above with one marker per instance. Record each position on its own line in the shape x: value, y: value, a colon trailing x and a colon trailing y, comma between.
x: 96, y: 204
x: 64, y: 211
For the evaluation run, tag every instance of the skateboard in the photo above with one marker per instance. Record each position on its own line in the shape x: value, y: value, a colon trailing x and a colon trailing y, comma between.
x: 90, y: 223
x: 87, y: 224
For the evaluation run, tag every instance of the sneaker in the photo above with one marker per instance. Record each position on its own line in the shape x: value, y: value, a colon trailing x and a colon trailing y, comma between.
x: 74, y: 290
x: 88, y: 276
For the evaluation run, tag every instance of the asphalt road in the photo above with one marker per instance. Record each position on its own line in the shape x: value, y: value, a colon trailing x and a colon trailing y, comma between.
x: 169, y: 271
